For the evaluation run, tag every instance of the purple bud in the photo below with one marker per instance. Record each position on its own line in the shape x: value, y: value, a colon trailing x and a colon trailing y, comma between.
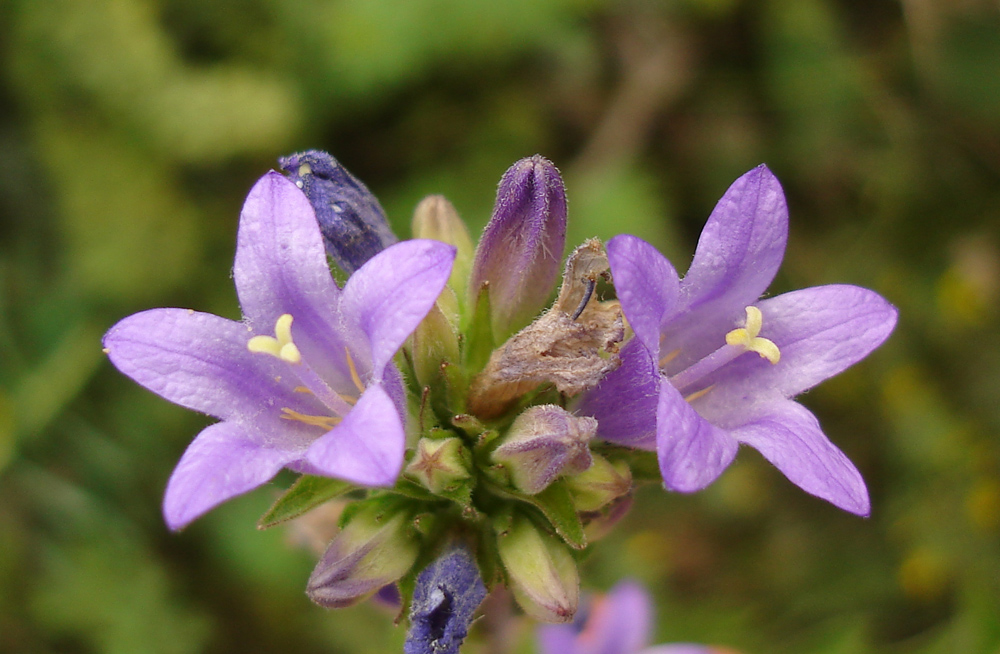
x: 446, y: 596
x: 521, y: 248
x: 353, y: 224
x: 373, y: 550
x: 544, y: 442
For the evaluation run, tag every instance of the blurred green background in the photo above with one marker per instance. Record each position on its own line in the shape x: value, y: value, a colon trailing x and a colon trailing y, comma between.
x: 131, y: 130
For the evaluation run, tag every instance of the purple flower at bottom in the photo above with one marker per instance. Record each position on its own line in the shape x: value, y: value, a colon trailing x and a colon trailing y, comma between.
x: 617, y: 623
x: 712, y: 365
x: 306, y: 381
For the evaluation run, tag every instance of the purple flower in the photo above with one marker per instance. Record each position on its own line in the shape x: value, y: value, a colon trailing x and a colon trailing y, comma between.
x: 713, y: 366
x: 306, y: 380
x: 618, y: 623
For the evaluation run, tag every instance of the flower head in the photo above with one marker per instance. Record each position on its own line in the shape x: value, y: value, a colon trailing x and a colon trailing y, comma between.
x: 306, y: 381
x: 617, y: 623
x: 712, y: 365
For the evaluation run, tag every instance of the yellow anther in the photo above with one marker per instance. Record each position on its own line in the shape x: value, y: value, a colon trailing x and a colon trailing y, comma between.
x: 747, y: 338
x: 305, y: 169
x: 354, y: 372
x: 280, y: 345
x: 324, y: 422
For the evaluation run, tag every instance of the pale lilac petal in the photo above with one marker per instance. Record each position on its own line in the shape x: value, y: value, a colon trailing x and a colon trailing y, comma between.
x: 367, y: 447
x: 281, y: 264
x: 221, y: 463
x: 820, y: 332
x: 388, y: 296
x: 789, y: 436
x: 738, y: 254
x: 685, y: 648
x: 199, y: 361
x: 557, y: 639
x: 647, y: 287
x: 624, y: 403
x: 692, y: 451
x: 628, y: 620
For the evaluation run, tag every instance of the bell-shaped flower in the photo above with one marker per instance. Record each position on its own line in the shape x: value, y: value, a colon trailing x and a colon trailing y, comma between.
x: 617, y: 623
x: 352, y: 221
x: 712, y: 365
x: 306, y: 380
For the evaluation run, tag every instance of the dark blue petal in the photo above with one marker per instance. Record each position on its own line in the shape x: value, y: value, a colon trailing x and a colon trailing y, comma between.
x: 447, y: 594
x: 353, y: 224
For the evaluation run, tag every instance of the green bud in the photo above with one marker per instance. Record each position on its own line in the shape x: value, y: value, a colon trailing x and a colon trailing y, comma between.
x: 541, y: 571
x: 373, y: 550
x: 439, y: 464
x: 436, y: 218
x: 544, y: 442
x: 433, y: 343
x: 600, y: 484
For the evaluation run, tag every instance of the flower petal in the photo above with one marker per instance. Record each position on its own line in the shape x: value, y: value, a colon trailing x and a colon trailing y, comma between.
x: 820, y: 331
x: 647, y: 286
x: 624, y: 403
x: 738, y: 254
x: 789, y: 436
x: 388, y: 296
x: 692, y: 451
x: 199, y: 361
x: 281, y: 263
x: 221, y: 463
x: 626, y: 622
x: 366, y: 448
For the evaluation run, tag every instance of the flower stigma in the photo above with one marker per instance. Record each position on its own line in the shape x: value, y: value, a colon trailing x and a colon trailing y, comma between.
x: 747, y: 337
x: 738, y: 341
x: 283, y: 347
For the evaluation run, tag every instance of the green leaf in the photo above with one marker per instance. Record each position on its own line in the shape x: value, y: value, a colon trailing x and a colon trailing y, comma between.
x: 305, y: 494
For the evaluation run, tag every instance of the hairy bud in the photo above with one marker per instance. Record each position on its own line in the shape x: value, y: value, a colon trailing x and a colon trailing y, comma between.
x: 540, y: 570
x: 544, y: 442
x: 374, y: 549
x: 350, y: 218
x: 519, y: 254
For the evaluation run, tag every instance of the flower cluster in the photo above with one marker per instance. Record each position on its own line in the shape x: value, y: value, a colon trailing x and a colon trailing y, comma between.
x: 484, y: 435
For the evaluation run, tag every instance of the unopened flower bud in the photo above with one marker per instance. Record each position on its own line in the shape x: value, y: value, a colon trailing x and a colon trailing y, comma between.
x: 599, y: 484
x: 436, y: 218
x: 540, y: 570
x: 519, y: 254
x: 350, y: 218
x: 374, y: 549
x: 433, y: 343
x: 440, y: 463
x: 544, y: 442
x: 445, y: 598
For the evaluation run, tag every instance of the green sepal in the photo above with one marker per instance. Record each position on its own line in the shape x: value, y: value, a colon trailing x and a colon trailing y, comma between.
x: 644, y: 464
x: 556, y: 504
x: 308, y: 492
x: 479, y: 345
x: 412, y: 490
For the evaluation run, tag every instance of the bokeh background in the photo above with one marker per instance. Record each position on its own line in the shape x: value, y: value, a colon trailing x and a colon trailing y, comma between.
x: 130, y: 131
